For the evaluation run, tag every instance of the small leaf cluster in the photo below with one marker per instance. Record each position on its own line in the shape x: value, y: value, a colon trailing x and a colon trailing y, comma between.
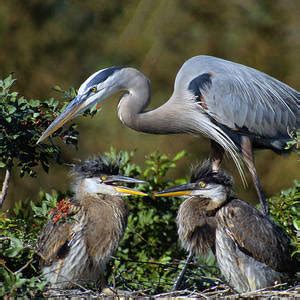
x: 285, y: 209
x: 295, y: 142
x: 22, y: 123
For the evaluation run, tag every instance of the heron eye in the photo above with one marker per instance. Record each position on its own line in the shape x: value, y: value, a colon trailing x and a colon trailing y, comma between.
x: 93, y: 89
x: 202, y: 184
x: 103, y: 178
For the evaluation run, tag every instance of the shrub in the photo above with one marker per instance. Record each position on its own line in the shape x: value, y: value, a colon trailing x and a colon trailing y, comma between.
x: 285, y: 209
x: 19, y: 273
x: 22, y: 122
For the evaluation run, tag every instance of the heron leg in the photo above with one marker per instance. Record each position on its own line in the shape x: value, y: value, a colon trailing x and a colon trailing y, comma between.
x: 180, y: 277
x: 247, y: 152
x: 217, y: 153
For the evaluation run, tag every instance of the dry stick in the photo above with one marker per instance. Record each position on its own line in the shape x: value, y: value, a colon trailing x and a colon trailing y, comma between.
x: 5, y: 186
x: 70, y: 281
x: 181, y: 274
x: 25, y: 266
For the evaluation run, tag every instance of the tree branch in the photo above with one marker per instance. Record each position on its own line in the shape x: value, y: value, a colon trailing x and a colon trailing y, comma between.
x: 5, y: 186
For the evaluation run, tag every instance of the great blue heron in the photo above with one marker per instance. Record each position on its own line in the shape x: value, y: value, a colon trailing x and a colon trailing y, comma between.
x: 235, y: 106
x: 252, y: 252
x: 77, y: 242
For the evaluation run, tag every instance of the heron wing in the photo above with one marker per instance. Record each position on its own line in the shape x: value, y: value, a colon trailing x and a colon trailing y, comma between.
x: 255, y: 235
x: 53, y: 242
x: 240, y: 97
x: 245, y: 99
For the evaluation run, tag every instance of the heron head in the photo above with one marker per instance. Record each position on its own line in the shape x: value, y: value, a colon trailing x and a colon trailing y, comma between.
x: 204, y: 183
x: 101, y: 176
x: 95, y: 89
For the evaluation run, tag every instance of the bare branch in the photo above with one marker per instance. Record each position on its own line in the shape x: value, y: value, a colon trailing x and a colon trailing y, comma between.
x: 5, y: 186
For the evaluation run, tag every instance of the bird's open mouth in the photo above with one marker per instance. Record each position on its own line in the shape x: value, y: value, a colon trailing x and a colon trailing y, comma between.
x: 118, y: 182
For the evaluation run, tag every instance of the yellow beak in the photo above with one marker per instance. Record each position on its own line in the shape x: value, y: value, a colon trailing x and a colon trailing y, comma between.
x: 125, y: 190
x: 172, y: 194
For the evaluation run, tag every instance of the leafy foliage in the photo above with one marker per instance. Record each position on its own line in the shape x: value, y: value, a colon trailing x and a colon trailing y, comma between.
x: 18, y: 260
x: 149, y: 254
x: 295, y: 142
x: 285, y: 209
x: 22, y: 122
x: 150, y: 238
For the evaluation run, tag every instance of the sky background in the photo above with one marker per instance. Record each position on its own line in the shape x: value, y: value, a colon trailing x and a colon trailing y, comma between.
x: 60, y: 42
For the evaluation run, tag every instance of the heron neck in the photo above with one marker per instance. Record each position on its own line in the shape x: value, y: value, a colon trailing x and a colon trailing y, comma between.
x: 196, y: 229
x: 131, y: 109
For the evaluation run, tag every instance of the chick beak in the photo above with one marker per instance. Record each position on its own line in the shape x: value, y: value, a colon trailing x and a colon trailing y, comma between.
x: 176, y: 191
x: 124, y: 179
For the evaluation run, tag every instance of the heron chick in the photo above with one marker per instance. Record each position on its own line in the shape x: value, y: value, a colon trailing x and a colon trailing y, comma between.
x: 252, y: 252
x: 82, y: 234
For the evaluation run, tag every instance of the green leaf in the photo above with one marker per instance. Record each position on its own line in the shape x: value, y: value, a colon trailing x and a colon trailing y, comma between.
x: 34, y: 103
x: 180, y: 155
x: 58, y: 89
x: 8, y: 82
x: 11, y: 109
x: 16, y: 246
x: 296, y: 224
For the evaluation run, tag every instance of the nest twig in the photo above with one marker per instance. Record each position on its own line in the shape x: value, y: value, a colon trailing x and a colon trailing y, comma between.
x: 221, y: 290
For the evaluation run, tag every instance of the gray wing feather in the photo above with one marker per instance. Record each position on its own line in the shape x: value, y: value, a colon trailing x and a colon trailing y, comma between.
x: 263, y: 109
x: 253, y: 232
x: 242, y: 97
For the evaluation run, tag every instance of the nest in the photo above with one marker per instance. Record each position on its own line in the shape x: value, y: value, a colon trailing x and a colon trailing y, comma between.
x: 219, y: 291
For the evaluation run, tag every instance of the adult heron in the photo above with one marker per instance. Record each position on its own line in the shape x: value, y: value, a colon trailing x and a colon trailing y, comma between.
x: 82, y: 234
x: 237, y: 107
x: 252, y: 252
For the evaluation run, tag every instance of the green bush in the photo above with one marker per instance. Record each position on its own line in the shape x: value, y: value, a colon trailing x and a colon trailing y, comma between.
x: 285, y: 209
x: 22, y: 123
x: 149, y: 253
x: 19, y: 271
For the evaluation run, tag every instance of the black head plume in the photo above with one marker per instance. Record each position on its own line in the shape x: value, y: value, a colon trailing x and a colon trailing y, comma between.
x: 98, y: 166
x: 204, y: 172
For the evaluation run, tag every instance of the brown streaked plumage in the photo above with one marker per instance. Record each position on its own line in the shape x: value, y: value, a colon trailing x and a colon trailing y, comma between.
x: 196, y: 228
x: 82, y: 234
x: 252, y: 251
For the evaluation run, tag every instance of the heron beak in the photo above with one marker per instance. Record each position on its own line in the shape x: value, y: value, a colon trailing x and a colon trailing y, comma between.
x: 176, y: 191
x: 124, y: 179
x: 128, y: 191
x: 77, y: 106
x: 70, y: 112
x: 118, y: 178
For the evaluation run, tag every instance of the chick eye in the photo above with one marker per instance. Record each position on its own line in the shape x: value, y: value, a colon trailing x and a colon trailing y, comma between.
x: 103, y: 178
x: 202, y: 184
x: 93, y: 89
